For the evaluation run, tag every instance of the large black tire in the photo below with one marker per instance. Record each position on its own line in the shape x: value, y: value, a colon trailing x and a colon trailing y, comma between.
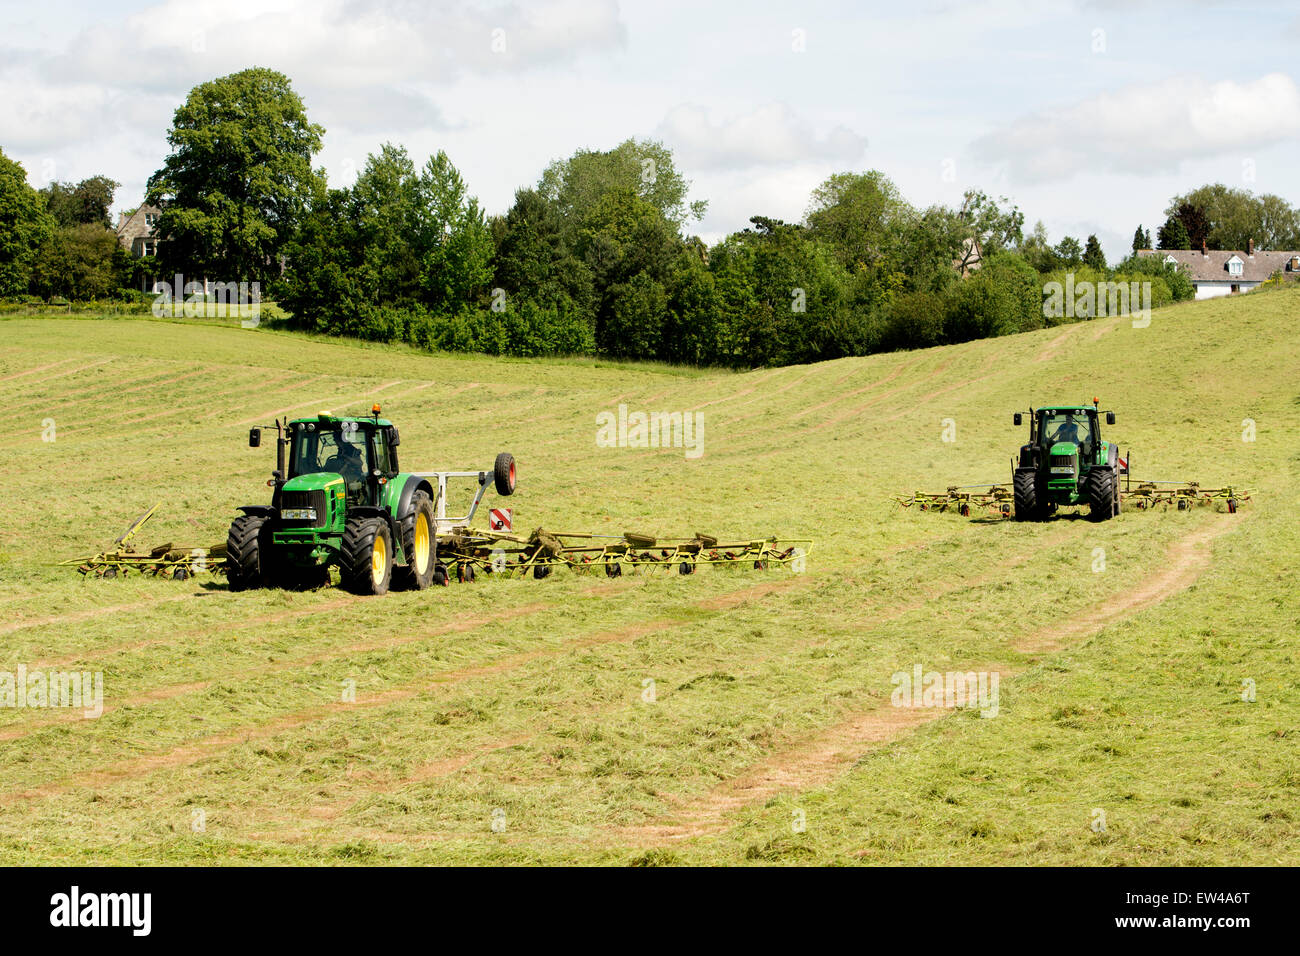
x: 366, y: 562
x: 1025, y: 494
x: 1101, y: 491
x: 247, y: 547
x: 421, y: 549
x: 504, y: 473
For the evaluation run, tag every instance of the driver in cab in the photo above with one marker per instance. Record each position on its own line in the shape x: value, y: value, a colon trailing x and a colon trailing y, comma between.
x: 349, y: 464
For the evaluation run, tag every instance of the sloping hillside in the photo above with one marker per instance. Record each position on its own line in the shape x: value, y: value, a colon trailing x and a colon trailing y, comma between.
x: 509, y: 720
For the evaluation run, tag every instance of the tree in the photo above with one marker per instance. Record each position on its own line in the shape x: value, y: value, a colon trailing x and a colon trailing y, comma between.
x: 1195, y: 222
x: 238, y: 179
x: 452, y: 237
x: 1093, y: 256
x: 644, y: 167
x: 1036, y: 249
x: 994, y: 226
x: 1069, y: 252
x: 89, y: 201
x: 1173, y: 235
x: 1230, y: 218
x: 395, y: 246
x: 855, y: 214
x: 24, y: 227
x: 535, y: 261
x: 1141, y: 239
x: 81, y: 262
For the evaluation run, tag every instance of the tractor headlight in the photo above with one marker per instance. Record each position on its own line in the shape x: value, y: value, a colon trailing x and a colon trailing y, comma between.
x: 299, y: 514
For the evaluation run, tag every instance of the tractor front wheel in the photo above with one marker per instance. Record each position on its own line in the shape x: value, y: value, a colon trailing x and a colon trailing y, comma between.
x: 420, y: 544
x: 1025, y: 495
x: 366, y: 562
x: 1101, y: 492
x: 246, y: 553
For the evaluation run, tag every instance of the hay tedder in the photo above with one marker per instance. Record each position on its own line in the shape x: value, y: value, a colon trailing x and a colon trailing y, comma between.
x: 1067, y: 463
x: 340, y: 501
x: 164, y: 561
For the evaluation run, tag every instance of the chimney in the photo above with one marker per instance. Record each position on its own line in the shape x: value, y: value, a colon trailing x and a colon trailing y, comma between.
x: 1204, y: 251
x: 1250, y: 248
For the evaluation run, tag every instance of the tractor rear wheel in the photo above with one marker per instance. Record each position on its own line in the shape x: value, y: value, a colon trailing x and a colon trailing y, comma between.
x: 1101, y: 492
x: 246, y: 553
x: 420, y: 543
x: 366, y: 562
x: 1025, y: 495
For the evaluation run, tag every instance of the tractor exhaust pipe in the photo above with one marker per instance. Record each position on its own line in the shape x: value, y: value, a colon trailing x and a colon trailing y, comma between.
x: 280, y: 443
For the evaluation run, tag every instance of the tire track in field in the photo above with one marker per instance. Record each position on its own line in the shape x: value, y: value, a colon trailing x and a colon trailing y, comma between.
x: 194, y: 752
x: 822, y: 756
x: 856, y: 410
x: 754, y: 385
x: 86, y: 396
x: 1053, y: 348
x: 898, y: 370
x: 263, y: 416
x: 33, y: 371
x: 70, y: 371
x: 275, y: 617
x: 1185, y: 561
x: 169, y: 691
x: 453, y: 763
x: 75, y: 616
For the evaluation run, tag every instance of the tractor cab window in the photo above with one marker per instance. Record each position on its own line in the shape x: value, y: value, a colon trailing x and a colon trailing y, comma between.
x: 340, y: 448
x: 384, y: 457
x: 1078, y: 428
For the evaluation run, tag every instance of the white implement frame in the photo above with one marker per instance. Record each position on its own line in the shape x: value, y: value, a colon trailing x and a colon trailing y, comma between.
x: 444, y: 523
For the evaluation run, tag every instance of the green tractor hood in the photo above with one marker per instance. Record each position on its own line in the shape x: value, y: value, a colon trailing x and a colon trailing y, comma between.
x: 317, y: 481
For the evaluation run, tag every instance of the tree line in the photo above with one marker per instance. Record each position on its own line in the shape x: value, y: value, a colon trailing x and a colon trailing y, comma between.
x: 594, y: 258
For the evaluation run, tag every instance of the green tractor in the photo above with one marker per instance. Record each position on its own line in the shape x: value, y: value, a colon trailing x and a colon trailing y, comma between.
x: 342, y: 500
x: 1066, y: 462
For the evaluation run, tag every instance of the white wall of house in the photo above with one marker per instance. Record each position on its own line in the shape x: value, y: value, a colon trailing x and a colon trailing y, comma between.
x: 1212, y: 290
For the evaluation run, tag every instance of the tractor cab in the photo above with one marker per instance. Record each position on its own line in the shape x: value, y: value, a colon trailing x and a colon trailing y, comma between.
x: 360, y: 451
x: 1074, y: 428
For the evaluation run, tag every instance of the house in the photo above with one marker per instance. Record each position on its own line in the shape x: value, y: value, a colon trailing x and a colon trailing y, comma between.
x: 1216, y: 272
x: 135, y: 231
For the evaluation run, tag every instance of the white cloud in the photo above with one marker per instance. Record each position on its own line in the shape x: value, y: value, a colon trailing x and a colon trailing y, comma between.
x: 1147, y: 128
x: 771, y: 135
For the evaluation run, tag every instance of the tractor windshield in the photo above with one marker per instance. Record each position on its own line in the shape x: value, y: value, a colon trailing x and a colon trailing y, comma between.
x: 1078, y: 427
x: 338, y: 447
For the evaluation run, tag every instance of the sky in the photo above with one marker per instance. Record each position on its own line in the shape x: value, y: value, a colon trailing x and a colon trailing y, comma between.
x: 1087, y: 114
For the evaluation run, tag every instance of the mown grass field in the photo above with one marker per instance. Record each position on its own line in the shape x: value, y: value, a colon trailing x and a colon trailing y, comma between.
x: 520, y: 702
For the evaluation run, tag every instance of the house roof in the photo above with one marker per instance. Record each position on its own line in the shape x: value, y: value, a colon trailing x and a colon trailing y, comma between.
x: 1212, y: 266
x: 135, y: 226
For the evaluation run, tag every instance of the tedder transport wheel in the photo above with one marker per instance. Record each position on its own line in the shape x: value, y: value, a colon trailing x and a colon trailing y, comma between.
x: 420, y: 544
x: 504, y: 473
x: 245, y: 567
x: 1025, y: 494
x: 366, y: 562
x: 1101, y: 493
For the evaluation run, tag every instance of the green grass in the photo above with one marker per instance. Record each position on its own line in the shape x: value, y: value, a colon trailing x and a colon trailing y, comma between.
x: 525, y: 697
